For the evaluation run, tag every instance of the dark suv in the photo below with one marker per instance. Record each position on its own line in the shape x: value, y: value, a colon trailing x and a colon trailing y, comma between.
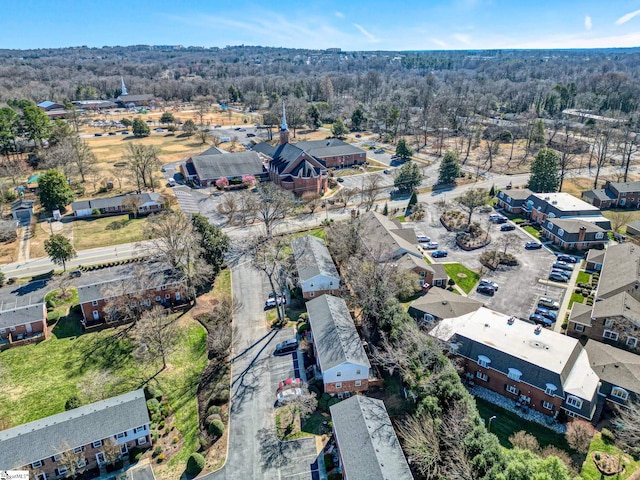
x: 485, y: 290
x: 287, y: 346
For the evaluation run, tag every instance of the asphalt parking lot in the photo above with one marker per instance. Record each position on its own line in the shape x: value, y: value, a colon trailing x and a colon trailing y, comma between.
x: 519, y: 287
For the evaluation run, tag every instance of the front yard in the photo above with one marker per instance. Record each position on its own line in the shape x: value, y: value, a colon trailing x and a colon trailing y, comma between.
x: 466, y: 279
x: 589, y: 470
x: 101, y: 232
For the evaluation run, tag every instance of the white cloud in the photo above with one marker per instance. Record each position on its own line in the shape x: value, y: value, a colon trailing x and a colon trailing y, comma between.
x: 439, y: 42
x: 587, y: 22
x: 462, y: 38
x: 372, y: 38
x: 339, y: 14
x: 625, y: 18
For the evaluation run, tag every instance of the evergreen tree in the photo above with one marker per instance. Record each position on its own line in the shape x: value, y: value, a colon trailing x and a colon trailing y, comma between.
x: 537, y: 137
x: 140, y: 128
x: 402, y: 149
x: 449, y: 167
x: 412, y: 201
x: 357, y: 119
x: 385, y: 211
x: 408, y: 178
x: 492, y: 192
x: 54, y: 190
x: 338, y: 129
x: 545, y: 175
x: 214, y: 242
x: 59, y: 249
x: 313, y: 116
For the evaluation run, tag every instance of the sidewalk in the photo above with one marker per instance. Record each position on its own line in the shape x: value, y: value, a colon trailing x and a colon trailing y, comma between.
x: 564, y: 305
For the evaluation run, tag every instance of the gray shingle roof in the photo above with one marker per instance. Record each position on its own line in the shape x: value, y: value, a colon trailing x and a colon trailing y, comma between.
x: 130, y: 284
x: 573, y: 226
x: 600, y: 194
x: 313, y: 258
x: 621, y: 304
x: 518, y: 194
x: 626, y: 186
x: 22, y: 315
x: 135, y: 98
x: 381, y: 237
x: 328, y: 148
x: 443, y: 304
x: 615, y: 366
x: 620, y: 269
x: 334, y: 333
x: 595, y: 255
x: 114, y: 202
x: 368, y: 444
x: 22, y: 203
x: 237, y: 164
x: 28, y: 443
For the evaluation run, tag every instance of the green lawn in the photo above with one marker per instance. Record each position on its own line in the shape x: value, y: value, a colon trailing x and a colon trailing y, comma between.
x: 532, y: 230
x: 589, y: 470
x: 101, y: 232
x: 583, y: 277
x: 507, y: 423
x: 314, y: 424
x: 575, y: 298
x: 466, y: 279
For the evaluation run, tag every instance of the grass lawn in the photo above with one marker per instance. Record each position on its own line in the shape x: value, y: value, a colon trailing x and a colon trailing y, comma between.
x: 314, y: 232
x: 346, y: 172
x: 583, y: 277
x: 314, y: 424
x: 100, y: 232
x: 60, y: 306
x: 589, y: 470
x: 532, y: 230
x: 507, y: 423
x: 466, y: 279
x: 575, y: 298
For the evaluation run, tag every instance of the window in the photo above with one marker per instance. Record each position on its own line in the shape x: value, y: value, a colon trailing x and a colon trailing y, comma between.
x: 578, y: 328
x: 139, y: 429
x: 610, y: 335
x: 134, y: 304
x: 551, y: 389
x: 101, y: 458
x: 78, y: 450
x: 482, y: 376
x: 620, y: 393
x: 96, y: 314
x: 515, y: 374
x: 94, y: 303
x: 547, y: 405
x: 97, y: 444
x: 331, y: 284
x: 574, y: 401
x: 358, y: 383
x: 312, y: 294
x: 167, y: 296
x: 55, y: 458
x: 121, y: 435
x: 339, y: 385
x: 512, y: 389
x: 483, y: 361
x: 158, y: 298
x: 37, y: 464
x: 608, y: 323
x: 13, y: 329
x: 82, y: 463
x: 164, y: 287
x: 142, y: 440
x: 124, y: 449
x: 178, y: 296
x: 338, y: 374
x: 358, y: 371
x: 599, y: 235
x: 3, y: 330
x: 560, y: 232
x: 61, y: 470
x: 41, y: 476
x: 632, y: 341
x: 550, y: 226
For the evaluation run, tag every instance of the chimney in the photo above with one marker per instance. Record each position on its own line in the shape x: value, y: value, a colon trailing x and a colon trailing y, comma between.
x: 582, y: 233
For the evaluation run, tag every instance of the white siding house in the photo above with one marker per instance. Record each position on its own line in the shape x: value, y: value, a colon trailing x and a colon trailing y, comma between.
x: 317, y: 274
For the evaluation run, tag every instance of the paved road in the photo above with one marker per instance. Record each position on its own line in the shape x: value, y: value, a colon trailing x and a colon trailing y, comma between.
x: 254, y: 452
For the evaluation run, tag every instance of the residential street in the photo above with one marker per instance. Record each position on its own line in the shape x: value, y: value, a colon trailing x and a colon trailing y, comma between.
x: 254, y: 451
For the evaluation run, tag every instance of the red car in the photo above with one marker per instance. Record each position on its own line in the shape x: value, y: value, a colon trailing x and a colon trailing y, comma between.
x: 289, y: 383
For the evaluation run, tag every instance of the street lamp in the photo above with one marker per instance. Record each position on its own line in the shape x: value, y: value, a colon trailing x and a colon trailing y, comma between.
x: 490, y: 420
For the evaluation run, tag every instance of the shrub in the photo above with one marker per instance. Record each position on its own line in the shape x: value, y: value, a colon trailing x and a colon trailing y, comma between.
x: 151, y: 391
x: 213, y: 409
x: 175, y: 440
x: 161, y: 425
x: 315, y: 390
x: 336, y: 476
x: 323, y: 402
x: 328, y: 461
x: 607, y: 435
x: 165, y: 409
x: 154, y: 436
x: 216, y: 428
x: 195, y: 464
x: 135, y: 453
x: 72, y: 402
x: 157, y: 451
x: 153, y: 405
x: 333, y: 401
x: 161, y: 458
x: 53, y: 317
x: 213, y: 417
x: 219, y: 397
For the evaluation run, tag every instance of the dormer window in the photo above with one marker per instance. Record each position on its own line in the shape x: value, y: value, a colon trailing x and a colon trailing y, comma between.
x: 515, y: 374
x: 561, y: 232
x: 550, y: 225
x: 599, y: 235
x: 483, y: 361
x: 550, y: 389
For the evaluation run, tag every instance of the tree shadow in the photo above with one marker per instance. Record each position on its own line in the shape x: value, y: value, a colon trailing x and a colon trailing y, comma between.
x: 101, y: 353
x: 275, y: 454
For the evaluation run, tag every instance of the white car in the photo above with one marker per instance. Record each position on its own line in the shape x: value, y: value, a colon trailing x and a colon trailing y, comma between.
x: 547, y: 302
x: 423, y: 238
x: 285, y: 396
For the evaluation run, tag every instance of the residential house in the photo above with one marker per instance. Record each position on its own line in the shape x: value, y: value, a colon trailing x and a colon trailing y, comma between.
x: 90, y: 436
x: 291, y: 167
x: 23, y: 325
x: 615, y: 195
x: 205, y: 169
x: 22, y: 210
x: 388, y: 241
x: 439, y: 304
x: 533, y: 367
x: 574, y: 234
x: 148, y: 203
x: 513, y: 201
x: 368, y: 448
x: 340, y: 356
x: 541, y: 206
x: 618, y: 370
x: 317, y: 274
x: 334, y: 153
x: 120, y: 299
x: 633, y: 228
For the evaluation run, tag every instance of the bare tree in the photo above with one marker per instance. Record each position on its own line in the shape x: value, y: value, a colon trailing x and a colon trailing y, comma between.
x: 345, y: 195
x: 14, y: 168
x: 619, y: 219
x: 202, y: 106
x: 156, y: 334
x: 627, y: 426
x: 74, y: 461
x: 509, y: 240
x: 312, y: 201
x: 98, y: 386
x: 304, y: 405
x: 228, y: 206
x: 143, y: 161
x: 601, y: 147
x: 274, y: 207
x: 83, y: 159
x: 472, y: 200
x: 370, y: 190
x: 247, y: 207
x: 579, y: 434
x: 111, y: 450
x: 132, y: 204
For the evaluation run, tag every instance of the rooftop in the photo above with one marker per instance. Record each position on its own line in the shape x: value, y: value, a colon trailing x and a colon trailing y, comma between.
x: 28, y: 443
x: 620, y: 269
x: 615, y: 366
x: 626, y: 186
x: 328, y: 148
x: 442, y: 303
x: 600, y: 194
x: 518, y: 194
x: 621, y: 304
x: 368, y: 444
x: 115, y: 202
x: 313, y: 258
x: 386, y: 239
x: 565, y: 202
x: 334, y: 333
x: 213, y: 166
x: 22, y: 315
x: 571, y: 225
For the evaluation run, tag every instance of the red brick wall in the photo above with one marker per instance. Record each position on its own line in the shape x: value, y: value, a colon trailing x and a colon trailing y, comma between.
x: 344, y: 160
x: 347, y: 386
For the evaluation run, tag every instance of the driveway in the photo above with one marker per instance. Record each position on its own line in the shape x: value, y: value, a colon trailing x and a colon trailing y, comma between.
x: 511, y: 297
x: 254, y: 451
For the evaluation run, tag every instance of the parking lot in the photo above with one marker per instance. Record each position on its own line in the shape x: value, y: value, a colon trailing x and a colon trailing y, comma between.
x: 519, y: 287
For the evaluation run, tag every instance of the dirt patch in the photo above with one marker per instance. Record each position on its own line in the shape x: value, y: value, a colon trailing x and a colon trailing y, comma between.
x: 607, y: 464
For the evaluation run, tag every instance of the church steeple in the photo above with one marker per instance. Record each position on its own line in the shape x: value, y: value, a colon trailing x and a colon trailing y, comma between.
x: 284, y: 130
x: 123, y: 88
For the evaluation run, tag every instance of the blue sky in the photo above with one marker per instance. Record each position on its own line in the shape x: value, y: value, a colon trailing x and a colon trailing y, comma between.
x: 370, y: 25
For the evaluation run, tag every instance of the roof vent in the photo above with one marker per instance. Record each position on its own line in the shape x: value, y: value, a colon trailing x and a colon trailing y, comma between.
x: 486, y: 325
x: 616, y: 365
x: 444, y: 302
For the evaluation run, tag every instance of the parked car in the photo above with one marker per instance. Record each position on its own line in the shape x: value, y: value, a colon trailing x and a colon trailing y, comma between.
x: 556, y: 277
x: 112, y: 133
x: 290, y: 383
x: 340, y: 179
x: 540, y: 320
x: 439, y: 253
x: 378, y: 150
x: 387, y: 172
x: 423, y: 238
x: 562, y: 273
x: 75, y: 273
x: 97, y: 134
x: 431, y: 246
x: 567, y: 258
x: 533, y: 246
x: 272, y: 301
x: 562, y: 266
x: 484, y: 281
x: 285, y: 396
x: 497, y: 218
x: 163, y: 169
x: 125, y: 132
x: 249, y: 135
x: 501, y: 220
x: 485, y: 290
x: 547, y: 302
x: 545, y: 312
x: 286, y: 347
x: 507, y: 227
